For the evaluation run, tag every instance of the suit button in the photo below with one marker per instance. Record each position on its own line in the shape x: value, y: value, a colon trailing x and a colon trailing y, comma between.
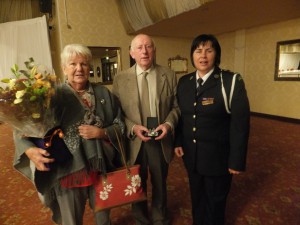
x: 194, y: 141
x: 195, y: 103
x: 194, y: 116
x: 194, y: 129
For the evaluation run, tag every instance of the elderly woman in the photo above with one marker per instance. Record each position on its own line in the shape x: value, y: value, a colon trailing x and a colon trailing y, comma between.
x: 88, y: 117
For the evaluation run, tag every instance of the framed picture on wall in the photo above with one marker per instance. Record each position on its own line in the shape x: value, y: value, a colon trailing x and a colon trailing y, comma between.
x: 287, y: 64
x: 178, y: 64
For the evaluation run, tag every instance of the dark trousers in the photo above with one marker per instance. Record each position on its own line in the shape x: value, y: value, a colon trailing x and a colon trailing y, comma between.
x: 152, y: 160
x: 209, y: 195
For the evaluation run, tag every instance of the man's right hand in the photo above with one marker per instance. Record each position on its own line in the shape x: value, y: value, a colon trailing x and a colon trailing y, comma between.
x: 140, y: 131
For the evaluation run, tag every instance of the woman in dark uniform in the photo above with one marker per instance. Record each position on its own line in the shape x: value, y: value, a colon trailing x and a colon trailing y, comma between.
x: 212, y: 135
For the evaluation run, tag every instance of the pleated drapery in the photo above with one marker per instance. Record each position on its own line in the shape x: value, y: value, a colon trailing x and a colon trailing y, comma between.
x: 137, y: 14
x: 13, y: 10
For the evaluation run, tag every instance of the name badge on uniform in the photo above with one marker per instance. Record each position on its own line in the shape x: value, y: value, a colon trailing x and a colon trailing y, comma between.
x: 207, y: 101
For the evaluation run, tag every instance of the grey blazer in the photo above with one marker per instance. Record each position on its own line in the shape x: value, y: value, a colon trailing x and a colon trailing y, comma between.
x: 126, y: 89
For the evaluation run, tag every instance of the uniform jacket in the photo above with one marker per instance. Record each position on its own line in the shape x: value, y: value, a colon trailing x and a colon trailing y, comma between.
x: 126, y: 89
x: 212, y: 139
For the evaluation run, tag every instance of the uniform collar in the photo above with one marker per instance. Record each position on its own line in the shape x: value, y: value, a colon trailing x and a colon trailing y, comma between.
x: 206, y: 76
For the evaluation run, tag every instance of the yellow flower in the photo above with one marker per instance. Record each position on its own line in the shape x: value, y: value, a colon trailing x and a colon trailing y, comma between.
x: 20, y: 94
x: 12, y: 83
x: 47, y: 84
x: 18, y: 100
x: 36, y: 115
x: 39, y: 83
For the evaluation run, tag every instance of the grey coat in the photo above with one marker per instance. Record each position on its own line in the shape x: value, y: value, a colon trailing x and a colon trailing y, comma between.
x: 69, y: 112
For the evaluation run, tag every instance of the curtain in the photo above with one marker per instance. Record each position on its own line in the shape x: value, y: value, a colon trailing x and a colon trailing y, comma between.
x: 289, y: 62
x: 12, y: 10
x: 21, y: 40
x: 157, y: 10
x: 137, y: 14
x: 175, y: 7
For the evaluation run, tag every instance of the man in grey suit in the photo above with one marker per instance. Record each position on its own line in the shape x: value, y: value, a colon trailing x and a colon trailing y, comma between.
x: 152, y: 149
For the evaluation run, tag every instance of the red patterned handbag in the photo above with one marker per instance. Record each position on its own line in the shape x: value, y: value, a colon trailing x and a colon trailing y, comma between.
x: 120, y: 187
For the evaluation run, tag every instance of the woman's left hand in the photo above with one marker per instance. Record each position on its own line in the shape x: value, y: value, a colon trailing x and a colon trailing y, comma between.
x: 90, y: 132
x: 234, y: 172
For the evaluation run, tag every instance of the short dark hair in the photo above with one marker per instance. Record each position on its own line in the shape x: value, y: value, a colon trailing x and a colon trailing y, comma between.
x: 202, y: 39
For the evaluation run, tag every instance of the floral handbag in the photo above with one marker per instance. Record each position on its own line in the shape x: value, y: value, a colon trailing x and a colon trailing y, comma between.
x: 120, y: 187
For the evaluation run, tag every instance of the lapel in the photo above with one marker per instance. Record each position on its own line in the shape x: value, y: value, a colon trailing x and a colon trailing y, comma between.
x: 98, y: 98
x: 160, y: 83
x: 131, y: 86
x: 100, y: 103
x: 190, y: 90
x: 161, y: 77
x: 132, y: 92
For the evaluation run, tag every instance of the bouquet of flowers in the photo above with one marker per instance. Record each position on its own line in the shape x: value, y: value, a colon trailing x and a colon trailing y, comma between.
x: 25, y: 101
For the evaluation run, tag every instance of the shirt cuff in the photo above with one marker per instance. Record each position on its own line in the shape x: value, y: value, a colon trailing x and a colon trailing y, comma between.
x: 132, y: 134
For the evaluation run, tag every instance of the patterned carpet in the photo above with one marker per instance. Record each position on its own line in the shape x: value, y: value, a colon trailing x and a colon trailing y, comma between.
x: 267, y: 194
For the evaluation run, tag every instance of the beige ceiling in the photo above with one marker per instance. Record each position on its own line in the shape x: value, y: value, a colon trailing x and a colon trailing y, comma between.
x: 222, y: 16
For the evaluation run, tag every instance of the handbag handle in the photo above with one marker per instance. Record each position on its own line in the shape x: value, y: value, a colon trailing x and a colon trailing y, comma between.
x: 122, y: 151
x: 49, y: 143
